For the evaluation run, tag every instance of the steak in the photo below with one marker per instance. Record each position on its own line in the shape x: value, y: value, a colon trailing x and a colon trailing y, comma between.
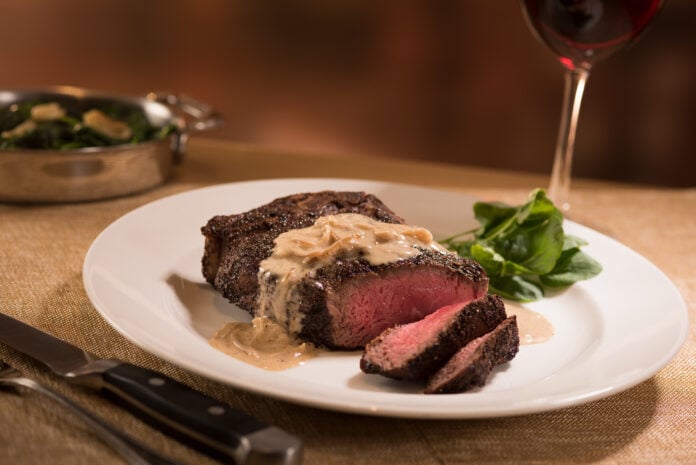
x: 235, y: 245
x: 471, y: 366
x: 343, y: 304
x: 417, y: 350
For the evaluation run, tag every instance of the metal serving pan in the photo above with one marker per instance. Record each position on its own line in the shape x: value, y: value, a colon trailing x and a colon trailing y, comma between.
x: 95, y: 173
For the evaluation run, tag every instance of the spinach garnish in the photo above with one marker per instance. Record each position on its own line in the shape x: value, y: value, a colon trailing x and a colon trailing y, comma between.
x: 524, y: 249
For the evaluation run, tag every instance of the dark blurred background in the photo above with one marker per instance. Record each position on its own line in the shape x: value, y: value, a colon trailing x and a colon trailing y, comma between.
x: 454, y: 81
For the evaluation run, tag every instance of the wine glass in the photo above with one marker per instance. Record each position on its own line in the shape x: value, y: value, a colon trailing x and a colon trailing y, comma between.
x: 581, y: 32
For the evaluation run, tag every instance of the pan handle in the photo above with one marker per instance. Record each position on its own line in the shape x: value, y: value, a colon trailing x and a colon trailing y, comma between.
x: 197, y: 116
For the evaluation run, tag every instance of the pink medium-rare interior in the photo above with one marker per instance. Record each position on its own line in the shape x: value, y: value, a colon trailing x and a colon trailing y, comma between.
x: 411, y: 338
x: 461, y: 358
x: 363, y: 309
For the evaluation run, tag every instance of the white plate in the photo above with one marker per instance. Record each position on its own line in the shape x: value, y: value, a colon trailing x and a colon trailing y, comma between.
x: 143, y: 274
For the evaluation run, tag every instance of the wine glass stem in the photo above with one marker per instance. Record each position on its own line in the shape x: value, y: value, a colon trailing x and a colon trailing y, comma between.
x: 559, y: 188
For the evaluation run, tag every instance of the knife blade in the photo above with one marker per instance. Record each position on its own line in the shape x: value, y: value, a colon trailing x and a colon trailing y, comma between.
x: 201, y: 421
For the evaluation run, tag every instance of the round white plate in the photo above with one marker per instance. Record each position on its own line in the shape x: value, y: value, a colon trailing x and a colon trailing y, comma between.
x: 143, y: 274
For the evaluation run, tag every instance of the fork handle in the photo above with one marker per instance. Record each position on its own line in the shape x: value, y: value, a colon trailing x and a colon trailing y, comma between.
x: 131, y: 450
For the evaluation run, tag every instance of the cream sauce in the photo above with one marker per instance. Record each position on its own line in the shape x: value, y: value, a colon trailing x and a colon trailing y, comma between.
x: 533, y: 327
x: 262, y: 343
x: 300, y: 252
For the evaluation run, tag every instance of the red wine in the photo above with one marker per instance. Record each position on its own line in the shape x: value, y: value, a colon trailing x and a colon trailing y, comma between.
x: 584, y: 31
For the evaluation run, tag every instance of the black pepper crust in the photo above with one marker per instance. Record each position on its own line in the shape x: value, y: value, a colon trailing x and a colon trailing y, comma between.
x: 342, y: 270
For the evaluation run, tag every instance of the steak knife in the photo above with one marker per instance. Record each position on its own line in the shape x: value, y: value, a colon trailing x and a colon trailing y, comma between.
x: 201, y: 421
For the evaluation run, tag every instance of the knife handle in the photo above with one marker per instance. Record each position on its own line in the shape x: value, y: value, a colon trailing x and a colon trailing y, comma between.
x: 207, y: 423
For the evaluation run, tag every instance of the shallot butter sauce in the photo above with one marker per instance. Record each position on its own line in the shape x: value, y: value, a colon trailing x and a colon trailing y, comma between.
x: 533, y: 327
x: 262, y: 343
x: 300, y: 252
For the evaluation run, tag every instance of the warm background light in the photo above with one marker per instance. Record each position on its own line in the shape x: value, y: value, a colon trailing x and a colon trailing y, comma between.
x: 455, y: 81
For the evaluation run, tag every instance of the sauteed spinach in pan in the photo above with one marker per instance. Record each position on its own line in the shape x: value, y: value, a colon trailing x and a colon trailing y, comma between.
x: 60, y: 123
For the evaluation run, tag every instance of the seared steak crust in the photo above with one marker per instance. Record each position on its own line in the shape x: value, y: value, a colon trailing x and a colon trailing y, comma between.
x: 235, y: 245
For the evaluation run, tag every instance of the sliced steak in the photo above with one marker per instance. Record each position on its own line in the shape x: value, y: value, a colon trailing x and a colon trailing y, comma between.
x: 417, y: 350
x: 471, y: 366
x: 235, y: 245
x: 348, y: 303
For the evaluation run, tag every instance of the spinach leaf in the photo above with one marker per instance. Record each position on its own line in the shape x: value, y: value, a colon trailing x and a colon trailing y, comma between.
x: 573, y: 265
x: 515, y: 288
x: 524, y: 248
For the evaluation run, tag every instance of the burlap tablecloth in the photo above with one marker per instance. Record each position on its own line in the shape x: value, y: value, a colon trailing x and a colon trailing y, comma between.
x: 42, y: 248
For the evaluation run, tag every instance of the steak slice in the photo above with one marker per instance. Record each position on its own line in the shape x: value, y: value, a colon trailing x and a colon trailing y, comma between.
x: 235, y: 245
x: 417, y: 350
x: 471, y: 366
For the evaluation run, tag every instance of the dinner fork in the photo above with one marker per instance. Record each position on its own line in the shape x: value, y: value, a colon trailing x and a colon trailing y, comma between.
x: 128, y: 448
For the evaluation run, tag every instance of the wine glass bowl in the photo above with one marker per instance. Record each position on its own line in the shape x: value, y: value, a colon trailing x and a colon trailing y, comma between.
x: 579, y: 33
